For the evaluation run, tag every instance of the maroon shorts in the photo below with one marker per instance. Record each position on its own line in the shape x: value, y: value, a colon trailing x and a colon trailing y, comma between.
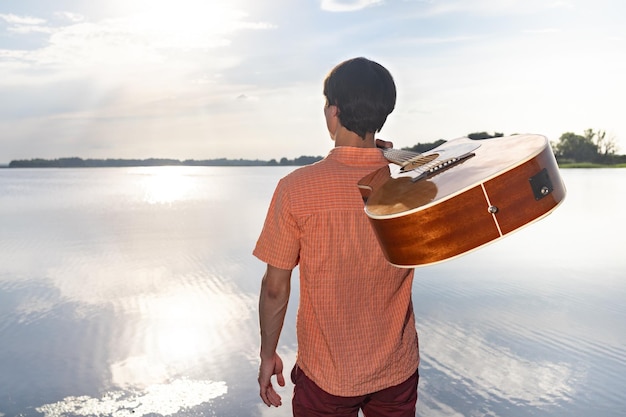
x: 309, y: 400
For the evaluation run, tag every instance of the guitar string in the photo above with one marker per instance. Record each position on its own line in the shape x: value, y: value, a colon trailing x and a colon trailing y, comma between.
x: 402, y: 157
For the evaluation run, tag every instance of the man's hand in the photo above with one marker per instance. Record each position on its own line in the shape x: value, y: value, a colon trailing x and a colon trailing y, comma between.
x: 268, y: 368
x: 380, y: 143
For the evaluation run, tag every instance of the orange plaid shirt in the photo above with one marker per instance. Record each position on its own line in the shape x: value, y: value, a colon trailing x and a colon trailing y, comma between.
x: 355, y: 324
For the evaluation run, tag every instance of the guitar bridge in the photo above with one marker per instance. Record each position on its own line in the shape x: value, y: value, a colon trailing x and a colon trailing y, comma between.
x: 440, y: 166
x: 419, y: 166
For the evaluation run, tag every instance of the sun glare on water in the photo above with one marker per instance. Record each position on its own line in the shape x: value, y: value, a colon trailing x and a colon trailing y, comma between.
x: 165, y: 185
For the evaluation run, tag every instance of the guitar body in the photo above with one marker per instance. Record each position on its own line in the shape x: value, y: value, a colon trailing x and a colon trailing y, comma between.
x: 501, y: 185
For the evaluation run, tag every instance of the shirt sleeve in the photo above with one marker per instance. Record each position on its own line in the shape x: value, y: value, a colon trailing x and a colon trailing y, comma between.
x: 279, y: 242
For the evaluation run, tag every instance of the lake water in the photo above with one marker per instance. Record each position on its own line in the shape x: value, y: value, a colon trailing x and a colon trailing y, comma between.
x: 134, y: 292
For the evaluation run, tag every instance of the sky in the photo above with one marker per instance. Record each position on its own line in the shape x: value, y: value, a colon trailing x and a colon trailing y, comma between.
x: 205, y: 79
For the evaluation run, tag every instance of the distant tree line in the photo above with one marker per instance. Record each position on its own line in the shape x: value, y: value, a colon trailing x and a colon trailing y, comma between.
x: 75, y: 162
x: 590, y: 147
x: 424, y: 147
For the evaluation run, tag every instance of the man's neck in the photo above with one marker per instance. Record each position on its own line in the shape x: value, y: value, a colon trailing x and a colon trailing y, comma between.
x: 345, y: 137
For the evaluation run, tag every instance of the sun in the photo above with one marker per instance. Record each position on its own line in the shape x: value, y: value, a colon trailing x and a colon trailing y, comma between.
x: 188, y: 23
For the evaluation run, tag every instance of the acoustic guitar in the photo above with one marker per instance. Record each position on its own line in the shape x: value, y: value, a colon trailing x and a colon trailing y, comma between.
x: 431, y: 207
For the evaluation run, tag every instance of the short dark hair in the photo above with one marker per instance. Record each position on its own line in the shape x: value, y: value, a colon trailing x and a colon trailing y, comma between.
x: 364, y: 92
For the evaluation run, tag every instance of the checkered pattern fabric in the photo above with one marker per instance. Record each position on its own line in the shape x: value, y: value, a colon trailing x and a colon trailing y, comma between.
x: 355, y: 325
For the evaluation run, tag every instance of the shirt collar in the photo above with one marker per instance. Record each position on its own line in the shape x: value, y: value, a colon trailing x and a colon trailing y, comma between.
x: 351, y: 155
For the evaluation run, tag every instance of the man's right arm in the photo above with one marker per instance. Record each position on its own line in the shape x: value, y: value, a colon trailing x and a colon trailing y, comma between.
x: 273, y: 300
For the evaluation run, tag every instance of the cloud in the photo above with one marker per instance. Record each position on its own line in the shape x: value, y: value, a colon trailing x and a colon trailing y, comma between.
x: 488, y: 7
x: 21, y: 20
x: 24, y: 24
x: 85, y: 78
x: 541, y: 31
x: 25, y: 29
x: 348, y: 5
x: 433, y: 40
x: 70, y: 16
x: 156, y: 43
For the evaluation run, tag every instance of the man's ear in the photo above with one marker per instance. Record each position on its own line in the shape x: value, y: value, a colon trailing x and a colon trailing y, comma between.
x: 333, y: 110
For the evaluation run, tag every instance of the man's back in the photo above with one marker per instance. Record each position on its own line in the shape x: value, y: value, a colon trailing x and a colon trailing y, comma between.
x: 356, y: 332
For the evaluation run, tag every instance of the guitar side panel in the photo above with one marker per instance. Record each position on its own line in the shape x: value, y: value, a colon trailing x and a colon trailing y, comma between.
x: 513, y: 195
x: 453, y: 227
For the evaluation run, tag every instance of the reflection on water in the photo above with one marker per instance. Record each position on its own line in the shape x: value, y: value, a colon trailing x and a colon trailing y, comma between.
x: 495, y: 371
x: 133, y: 292
x: 532, y: 325
x: 166, y: 399
x: 128, y: 290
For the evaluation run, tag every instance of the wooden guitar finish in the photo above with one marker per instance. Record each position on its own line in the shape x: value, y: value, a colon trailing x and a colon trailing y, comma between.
x: 470, y: 193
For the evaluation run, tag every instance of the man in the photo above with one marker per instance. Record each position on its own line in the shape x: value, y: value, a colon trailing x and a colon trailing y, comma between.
x: 357, y: 342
